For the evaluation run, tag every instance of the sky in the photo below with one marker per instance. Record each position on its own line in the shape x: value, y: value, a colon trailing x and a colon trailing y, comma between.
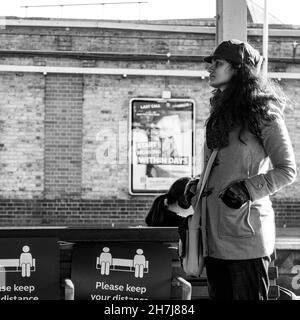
x: 286, y: 10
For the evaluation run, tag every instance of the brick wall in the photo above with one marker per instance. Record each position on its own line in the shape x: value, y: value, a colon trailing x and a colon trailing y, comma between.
x: 63, y: 135
x: 21, y: 135
x: 105, y: 125
x: 292, y: 118
x: 63, y: 138
x: 73, y: 212
x: 106, y: 212
x: 103, y: 40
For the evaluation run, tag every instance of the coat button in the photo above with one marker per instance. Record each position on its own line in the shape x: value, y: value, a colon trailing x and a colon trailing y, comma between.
x: 259, y: 186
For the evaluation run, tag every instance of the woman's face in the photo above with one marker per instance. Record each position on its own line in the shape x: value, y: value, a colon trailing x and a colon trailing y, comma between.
x: 220, y: 73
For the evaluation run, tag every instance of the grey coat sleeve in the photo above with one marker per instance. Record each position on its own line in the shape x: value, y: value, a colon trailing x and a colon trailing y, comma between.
x: 278, y: 146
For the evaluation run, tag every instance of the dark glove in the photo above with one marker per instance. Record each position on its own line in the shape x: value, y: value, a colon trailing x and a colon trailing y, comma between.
x: 190, y: 190
x: 235, y: 195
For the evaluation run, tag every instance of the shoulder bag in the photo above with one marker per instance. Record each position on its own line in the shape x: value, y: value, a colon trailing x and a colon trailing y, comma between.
x: 190, y: 238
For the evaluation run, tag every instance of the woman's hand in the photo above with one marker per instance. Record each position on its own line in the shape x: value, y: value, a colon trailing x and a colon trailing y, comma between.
x: 235, y: 195
x: 190, y: 189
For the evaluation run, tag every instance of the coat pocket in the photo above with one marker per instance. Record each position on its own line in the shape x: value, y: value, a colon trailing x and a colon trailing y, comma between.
x: 235, y: 222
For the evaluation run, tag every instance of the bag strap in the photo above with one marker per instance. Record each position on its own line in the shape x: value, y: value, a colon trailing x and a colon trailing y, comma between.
x: 207, y: 170
x: 203, y: 183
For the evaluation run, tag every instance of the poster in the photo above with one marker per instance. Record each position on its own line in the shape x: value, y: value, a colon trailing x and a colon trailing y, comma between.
x: 121, y: 271
x: 161, y: 143
x: 29, y: 269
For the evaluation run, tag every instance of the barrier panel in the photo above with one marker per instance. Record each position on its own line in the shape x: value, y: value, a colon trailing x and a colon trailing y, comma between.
x: 68, y: 237
x: 166, y: 238
x: 121, y: 271
x: 288, y: 263
x: 29, y: 269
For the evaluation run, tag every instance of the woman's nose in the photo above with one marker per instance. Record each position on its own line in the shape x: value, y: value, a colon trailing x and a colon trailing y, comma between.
x: 210, y: 68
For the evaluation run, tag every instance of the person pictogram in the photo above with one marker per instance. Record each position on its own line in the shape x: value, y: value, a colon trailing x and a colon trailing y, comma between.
x: 105, y: 260
x: 139, y: 263
x: 26, y: 261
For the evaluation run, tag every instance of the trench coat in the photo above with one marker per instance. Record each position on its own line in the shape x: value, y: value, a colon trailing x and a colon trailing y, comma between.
x: 248, y: 232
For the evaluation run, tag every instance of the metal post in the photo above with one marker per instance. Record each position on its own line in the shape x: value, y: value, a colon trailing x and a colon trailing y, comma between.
x: 265, y: 39
x: 2, y: 276
x: 231, y: 20
x: 139, y: 9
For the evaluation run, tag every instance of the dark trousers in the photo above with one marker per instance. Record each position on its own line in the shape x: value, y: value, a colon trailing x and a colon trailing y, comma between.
x: 238, y: 279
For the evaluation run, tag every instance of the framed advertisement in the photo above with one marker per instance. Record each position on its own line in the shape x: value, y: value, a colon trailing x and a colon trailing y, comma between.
x: 161, y: 143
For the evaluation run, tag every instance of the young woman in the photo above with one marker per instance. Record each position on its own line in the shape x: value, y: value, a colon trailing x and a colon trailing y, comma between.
x: 170, y: 208
x: 246, y: 125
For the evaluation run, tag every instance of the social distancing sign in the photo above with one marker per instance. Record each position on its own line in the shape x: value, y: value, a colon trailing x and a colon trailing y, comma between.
x: 29, y: 269
x: 121, y: 271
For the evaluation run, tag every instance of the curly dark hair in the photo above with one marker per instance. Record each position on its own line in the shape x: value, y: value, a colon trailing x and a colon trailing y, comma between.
x: 246, y: 103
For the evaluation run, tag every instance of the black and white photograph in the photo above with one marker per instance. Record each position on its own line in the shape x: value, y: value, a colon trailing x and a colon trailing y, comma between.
x: 149, y: 154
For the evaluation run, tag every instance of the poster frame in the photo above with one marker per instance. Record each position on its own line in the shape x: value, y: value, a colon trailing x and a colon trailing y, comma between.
x: 156, y: 100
